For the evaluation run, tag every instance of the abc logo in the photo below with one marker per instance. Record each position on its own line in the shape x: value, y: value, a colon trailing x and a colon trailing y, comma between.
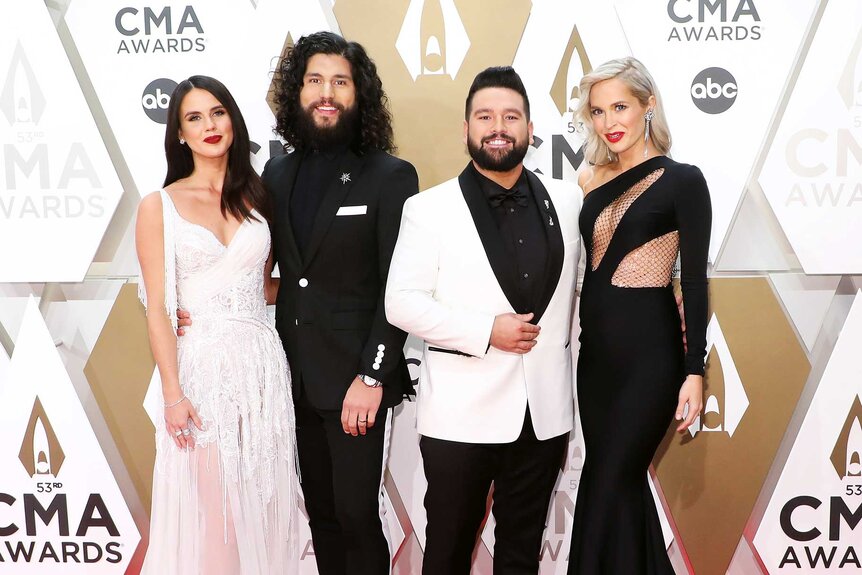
x: 156, y: 97
x: 714, y: 90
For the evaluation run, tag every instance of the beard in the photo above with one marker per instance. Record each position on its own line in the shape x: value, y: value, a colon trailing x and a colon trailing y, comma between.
x: 503, y: 161
x: 325, y: 138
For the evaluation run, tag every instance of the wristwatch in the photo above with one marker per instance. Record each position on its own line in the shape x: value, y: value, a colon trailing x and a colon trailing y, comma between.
x: 370, y: 381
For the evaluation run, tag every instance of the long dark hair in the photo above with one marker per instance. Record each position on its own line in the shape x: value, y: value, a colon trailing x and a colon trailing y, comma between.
x: 242, y: 189
x: 375, y: 120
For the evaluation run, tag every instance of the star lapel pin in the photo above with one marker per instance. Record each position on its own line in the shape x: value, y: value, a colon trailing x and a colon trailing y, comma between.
x: 345, y: 177
x: 547, y: 205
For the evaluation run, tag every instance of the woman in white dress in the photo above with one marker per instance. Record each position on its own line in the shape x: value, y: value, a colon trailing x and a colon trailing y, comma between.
x: 224, y: 483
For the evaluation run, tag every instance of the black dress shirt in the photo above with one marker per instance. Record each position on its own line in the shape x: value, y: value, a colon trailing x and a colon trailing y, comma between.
x: 315, y: 171
x: 519, y: 221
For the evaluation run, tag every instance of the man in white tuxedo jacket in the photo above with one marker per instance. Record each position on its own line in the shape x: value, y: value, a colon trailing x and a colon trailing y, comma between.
x: 484, y: 271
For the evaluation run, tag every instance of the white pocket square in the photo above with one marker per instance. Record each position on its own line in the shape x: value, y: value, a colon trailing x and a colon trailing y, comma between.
x: 352, y: 211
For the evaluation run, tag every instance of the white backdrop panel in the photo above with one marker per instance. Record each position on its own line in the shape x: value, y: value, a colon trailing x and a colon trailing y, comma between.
x: 813, y: 172
x: 718, y: 119
x: 59, y: 188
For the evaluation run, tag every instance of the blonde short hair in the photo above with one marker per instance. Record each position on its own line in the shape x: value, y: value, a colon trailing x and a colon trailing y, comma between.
x: 635, y: 75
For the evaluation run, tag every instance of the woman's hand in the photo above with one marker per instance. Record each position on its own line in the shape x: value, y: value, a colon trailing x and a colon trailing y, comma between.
x: 178, y: 420
x: 691, y: 393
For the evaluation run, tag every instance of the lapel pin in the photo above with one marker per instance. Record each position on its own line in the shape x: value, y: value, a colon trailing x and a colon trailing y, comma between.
x: 345, y: 177
x: 547, y: 205
x: 550, y: 221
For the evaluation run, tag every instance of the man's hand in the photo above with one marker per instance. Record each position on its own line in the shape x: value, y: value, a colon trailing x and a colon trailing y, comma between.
x: 184, y: 319
x: 360, y: 407
x: 512, y: 332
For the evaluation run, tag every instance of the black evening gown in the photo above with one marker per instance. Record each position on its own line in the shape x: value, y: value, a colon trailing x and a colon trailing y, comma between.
x: 632, y: 362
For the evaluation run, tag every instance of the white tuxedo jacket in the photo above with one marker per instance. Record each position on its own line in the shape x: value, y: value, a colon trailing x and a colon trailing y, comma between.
x: 447, y: 281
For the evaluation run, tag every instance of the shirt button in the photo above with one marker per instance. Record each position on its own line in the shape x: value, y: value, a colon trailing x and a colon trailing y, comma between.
x: 520, y: 241
x: 526, y: 276
x: 511, y: 210
x: 303, y: 282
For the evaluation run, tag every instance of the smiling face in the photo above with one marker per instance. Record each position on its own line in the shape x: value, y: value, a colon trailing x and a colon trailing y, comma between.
x: 327, y: 89
x: 497, y: 131
x: 618, y: 116
x: 205, y: 124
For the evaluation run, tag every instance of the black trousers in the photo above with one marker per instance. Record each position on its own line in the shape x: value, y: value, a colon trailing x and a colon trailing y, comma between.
x: 459, y: 477
x: 342, y: 480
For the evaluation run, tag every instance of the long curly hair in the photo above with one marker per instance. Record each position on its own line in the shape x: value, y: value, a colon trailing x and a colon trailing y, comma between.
x: 242, y: 189
x: 374, y: 131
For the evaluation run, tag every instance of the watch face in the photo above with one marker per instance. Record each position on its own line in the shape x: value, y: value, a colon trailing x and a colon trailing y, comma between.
x: 369, y: 381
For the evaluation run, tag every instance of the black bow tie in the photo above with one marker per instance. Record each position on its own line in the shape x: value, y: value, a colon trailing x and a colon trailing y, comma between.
x: 515, y: 194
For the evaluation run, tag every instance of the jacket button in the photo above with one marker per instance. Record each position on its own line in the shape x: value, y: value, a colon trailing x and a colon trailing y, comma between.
x: 303, y: 282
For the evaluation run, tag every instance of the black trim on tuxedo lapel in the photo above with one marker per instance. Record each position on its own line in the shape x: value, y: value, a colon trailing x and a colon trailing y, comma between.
x: 334, y: 196
x: 554, y: 235
x: 282, y: 207
x: 492, y: 241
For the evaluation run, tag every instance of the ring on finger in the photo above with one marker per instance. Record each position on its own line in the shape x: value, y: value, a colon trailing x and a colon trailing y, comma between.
x: 177, y: 433
x: 187, y: 432
x: 363, y: 421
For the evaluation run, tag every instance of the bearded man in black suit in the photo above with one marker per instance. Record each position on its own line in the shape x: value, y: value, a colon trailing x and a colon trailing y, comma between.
x: 337, y: 203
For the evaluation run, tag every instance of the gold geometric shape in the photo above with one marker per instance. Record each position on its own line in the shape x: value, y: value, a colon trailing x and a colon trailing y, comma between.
x: 431, y: 107
x: 270, y: 95
x: 849, y: 84
x: 432, y: 37
x: 41, y: 453
x: 847, y: 456
x: 699, y: 475
x: 558, y: 88
x: 713, y: 386
x: 119, y: 371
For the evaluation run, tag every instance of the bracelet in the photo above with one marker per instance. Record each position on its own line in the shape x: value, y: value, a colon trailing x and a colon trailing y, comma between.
x: 179, y: 401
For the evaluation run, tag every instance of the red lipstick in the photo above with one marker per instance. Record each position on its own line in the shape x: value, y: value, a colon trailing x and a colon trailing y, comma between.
x: 614, y: 137
x: 212, y: 139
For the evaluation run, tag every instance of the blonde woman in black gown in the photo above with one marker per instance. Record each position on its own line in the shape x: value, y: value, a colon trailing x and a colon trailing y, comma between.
x: 641, y: 210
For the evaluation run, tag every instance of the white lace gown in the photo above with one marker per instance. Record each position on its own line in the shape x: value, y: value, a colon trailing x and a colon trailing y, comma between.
x: 229, y: 505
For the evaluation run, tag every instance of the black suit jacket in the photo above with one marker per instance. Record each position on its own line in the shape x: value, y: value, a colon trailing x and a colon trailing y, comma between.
x: 329, y: 310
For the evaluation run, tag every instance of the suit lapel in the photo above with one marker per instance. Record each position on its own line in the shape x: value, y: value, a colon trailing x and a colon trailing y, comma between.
x: 288, y: 180
x: 337, y: 189
x: 492, y: 241
x: 554, y: 236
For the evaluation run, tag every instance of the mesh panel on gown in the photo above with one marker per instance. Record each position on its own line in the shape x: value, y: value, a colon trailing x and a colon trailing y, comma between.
x: 609, y: 218
x: 650, y: 265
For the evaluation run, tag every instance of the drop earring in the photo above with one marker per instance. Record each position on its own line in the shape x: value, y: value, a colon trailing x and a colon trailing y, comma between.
x: 647, y: 119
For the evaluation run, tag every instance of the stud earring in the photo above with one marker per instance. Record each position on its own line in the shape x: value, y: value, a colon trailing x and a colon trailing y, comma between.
x: 182, y: 142
x: 648, y: 117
